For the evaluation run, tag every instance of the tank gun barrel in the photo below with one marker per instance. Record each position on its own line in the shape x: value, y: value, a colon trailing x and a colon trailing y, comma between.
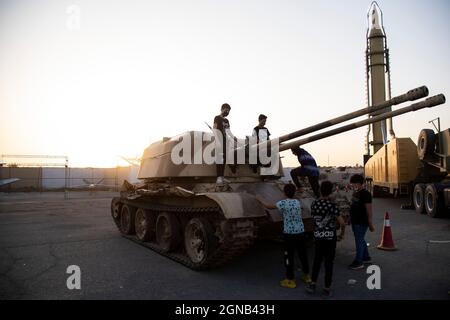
x: 427, y: 103
x: 411, y: 95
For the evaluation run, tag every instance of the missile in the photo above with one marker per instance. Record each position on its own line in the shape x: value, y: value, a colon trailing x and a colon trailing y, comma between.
x: 377, y: 70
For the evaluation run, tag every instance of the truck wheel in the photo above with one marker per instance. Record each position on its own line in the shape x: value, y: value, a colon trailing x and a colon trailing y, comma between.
x: 115, y: 211
x: 419, y: 198
x: 432, y: 203
x: 127, y: 219
x: 425, y: 143
x: 199, y: 240
x: 144, y: 225
x: 167, y: 232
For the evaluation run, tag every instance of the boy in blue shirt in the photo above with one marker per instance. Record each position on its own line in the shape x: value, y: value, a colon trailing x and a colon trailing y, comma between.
x: 308, y: 169
x: 293, y: 235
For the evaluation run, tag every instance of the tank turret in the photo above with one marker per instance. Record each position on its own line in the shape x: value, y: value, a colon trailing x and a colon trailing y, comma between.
x: 159, y: 160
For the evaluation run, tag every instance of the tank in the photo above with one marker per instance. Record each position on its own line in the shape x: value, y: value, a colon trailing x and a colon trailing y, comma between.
x: 179, y: 211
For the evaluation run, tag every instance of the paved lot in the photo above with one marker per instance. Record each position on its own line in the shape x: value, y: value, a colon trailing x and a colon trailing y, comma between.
x: 42, y: 234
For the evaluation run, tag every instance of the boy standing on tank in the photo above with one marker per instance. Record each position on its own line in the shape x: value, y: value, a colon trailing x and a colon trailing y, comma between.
x: 293, y: 235
x: 326, y: 216
x: 222, y: 134
x: 262, y: 134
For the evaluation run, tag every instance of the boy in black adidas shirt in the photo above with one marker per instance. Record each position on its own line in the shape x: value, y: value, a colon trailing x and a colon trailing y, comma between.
x: 326, y: 216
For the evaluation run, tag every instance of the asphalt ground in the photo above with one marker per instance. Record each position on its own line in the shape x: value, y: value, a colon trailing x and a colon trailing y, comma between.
x: 41, y: 234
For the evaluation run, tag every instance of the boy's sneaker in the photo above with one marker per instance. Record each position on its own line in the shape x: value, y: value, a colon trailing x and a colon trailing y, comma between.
x: 222, y: 180
x: 327, y: 293
x: 356, y: 265
x: 306, y: 278
x: 311, y: 288
x: 287, y: 283
x: 368, y: 260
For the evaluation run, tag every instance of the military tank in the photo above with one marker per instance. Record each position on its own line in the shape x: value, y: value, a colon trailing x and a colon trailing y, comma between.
x: 179, y: 211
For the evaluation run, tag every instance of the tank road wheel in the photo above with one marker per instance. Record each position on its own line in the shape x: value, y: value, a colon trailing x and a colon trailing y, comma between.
x: 199, y: 240
x: 144, y: 225
x: 127, y: 219
x: 419, y: 198
x: 115, y: 211
x: 425, y: 143
x: 167, y: 232
x: 432, y: 203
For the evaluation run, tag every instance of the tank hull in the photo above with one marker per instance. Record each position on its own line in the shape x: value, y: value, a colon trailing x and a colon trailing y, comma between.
x: 234, y: 219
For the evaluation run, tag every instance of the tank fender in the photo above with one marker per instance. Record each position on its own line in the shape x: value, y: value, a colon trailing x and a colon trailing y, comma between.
x: 238, y: 205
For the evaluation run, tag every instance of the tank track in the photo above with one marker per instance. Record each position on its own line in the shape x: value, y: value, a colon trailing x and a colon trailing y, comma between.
x: 238, y: 237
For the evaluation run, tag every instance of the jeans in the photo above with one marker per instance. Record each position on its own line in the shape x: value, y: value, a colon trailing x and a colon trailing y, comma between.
x: 293, y: 242
x: 362, y: 253
x: 313, y: 180
x: 325, y: 250
x: 220, y: 167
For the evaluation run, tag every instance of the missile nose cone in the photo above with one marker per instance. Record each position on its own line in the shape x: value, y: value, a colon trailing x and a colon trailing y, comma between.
x: 374, y: 17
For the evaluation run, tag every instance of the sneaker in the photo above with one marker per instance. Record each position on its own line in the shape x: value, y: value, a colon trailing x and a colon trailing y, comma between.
x: 306, y: 278
x: 327, y: 293
x: 311, y: 288
x: 287, y: 283
x: 356, y: 265
x: 222, y: 180
x: 368, y: 260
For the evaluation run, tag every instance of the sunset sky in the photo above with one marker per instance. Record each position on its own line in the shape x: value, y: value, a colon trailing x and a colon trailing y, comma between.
x: 95, y: 80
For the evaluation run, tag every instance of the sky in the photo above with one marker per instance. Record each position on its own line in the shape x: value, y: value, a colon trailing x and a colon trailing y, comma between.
x: 96, y: 80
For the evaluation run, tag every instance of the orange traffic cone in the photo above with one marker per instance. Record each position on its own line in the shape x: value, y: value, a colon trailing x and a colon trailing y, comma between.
x: 387, y: 243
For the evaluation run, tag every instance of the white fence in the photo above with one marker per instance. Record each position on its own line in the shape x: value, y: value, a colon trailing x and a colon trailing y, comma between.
x: 47, y: 178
